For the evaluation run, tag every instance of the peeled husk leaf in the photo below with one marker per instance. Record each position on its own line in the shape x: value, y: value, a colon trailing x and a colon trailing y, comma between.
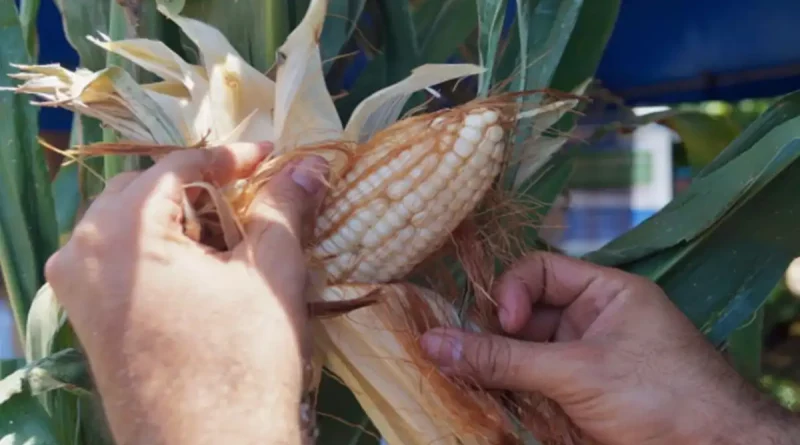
x: 375, y: 352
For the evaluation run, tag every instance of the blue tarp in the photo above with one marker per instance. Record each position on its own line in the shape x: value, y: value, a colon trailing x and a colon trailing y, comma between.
x: 661, y: 51
x: 666, y: 51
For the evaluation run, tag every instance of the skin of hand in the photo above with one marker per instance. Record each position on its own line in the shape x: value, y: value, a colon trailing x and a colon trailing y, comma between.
x: 609, y: 347
x: 188, y: 345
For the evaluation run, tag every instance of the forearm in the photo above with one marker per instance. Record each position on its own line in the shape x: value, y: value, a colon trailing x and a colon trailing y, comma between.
x: 178, y: 420
x: 760, y: 420
x: 776, y: 425
x: 245, y: 398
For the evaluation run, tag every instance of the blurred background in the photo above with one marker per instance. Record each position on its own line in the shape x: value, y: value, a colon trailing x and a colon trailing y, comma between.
x: 678, y: 82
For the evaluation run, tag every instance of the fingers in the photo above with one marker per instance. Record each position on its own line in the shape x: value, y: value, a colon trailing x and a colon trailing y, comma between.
x: 548, y: 279
x: 496, y: 362
x: 285, y: 207
x: 219, y: 166
x: 542, y: 325
x: 119, y: 182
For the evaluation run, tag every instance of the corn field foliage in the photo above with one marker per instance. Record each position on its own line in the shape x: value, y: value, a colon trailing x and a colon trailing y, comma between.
x: 718, y: 249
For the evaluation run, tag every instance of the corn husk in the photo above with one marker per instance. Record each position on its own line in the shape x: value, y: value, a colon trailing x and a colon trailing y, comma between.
x: 375, y: 352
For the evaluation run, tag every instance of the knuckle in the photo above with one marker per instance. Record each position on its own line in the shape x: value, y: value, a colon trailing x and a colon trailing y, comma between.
x: 83, y: 239
x: 54, y: 267
x: 640, y: 290
x: 86, y: 238
x: 493, y: 359
x: 643, y: 283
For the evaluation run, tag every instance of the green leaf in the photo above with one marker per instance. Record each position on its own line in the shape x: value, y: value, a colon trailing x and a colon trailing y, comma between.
x: 67, y: 197
x: 722, y: 275
x: 29, y: 11
x: 720, y: 247
x: 297, y: 10
x: 255, y: 28
x: 585, y: 49
x: 745, y: 347
x: 67, y: 369
x: 340, y: 24
x: 340, y: 418
x: 9, y: 366
x: 788, y: 107
x: 28, y: 231
x: 83, y: 18
x: 398, y: 57
x: 587, y: 43
x: 546, y: 186
x: 24, y: 421
x: 118, y: 29
x: 545, y: 27
x: 453, y: 22
x: 704, y: 136
x: 713, y: 192
x: 22, y: 418
x: 402, y: 49
x: 490, y: 19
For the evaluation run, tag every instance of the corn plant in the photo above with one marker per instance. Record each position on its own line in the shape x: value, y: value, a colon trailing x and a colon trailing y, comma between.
x: 493, y: 127
x: 469, y: 129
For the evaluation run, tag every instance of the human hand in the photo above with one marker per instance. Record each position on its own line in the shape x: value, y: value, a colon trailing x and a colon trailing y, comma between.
x: 609, y: 347
x: 188, y: 344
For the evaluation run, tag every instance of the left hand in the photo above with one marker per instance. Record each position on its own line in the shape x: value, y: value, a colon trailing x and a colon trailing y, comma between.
x: 187, y: 344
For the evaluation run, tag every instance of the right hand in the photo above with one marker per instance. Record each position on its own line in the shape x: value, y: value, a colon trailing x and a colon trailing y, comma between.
x: 611, y: 349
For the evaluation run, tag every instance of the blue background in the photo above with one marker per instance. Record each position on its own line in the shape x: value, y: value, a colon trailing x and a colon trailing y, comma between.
x: 661, y: 51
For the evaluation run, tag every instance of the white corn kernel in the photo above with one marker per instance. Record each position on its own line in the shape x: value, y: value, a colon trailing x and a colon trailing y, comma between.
x: 413, y: 203
x: 470, y: 134
x: 463, y: 147
x: 397, y: 190
x: 495, y: 133
x: 475, y: 120
x: 451, y: 159
x: 415, y: 196
x: 490, y: 117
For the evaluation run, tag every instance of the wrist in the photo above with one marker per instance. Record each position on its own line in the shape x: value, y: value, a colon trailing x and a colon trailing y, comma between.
x: 761, y: 421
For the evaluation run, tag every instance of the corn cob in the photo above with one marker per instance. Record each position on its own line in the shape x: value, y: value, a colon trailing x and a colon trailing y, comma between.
x: 411, y: 185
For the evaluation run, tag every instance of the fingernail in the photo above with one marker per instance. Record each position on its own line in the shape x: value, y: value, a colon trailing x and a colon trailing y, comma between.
x: 309, y: 173
x: 443, y: 347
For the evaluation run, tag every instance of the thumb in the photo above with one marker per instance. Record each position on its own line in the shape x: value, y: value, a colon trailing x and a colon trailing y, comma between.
x: 496, y: 362
x: 289, y: 201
